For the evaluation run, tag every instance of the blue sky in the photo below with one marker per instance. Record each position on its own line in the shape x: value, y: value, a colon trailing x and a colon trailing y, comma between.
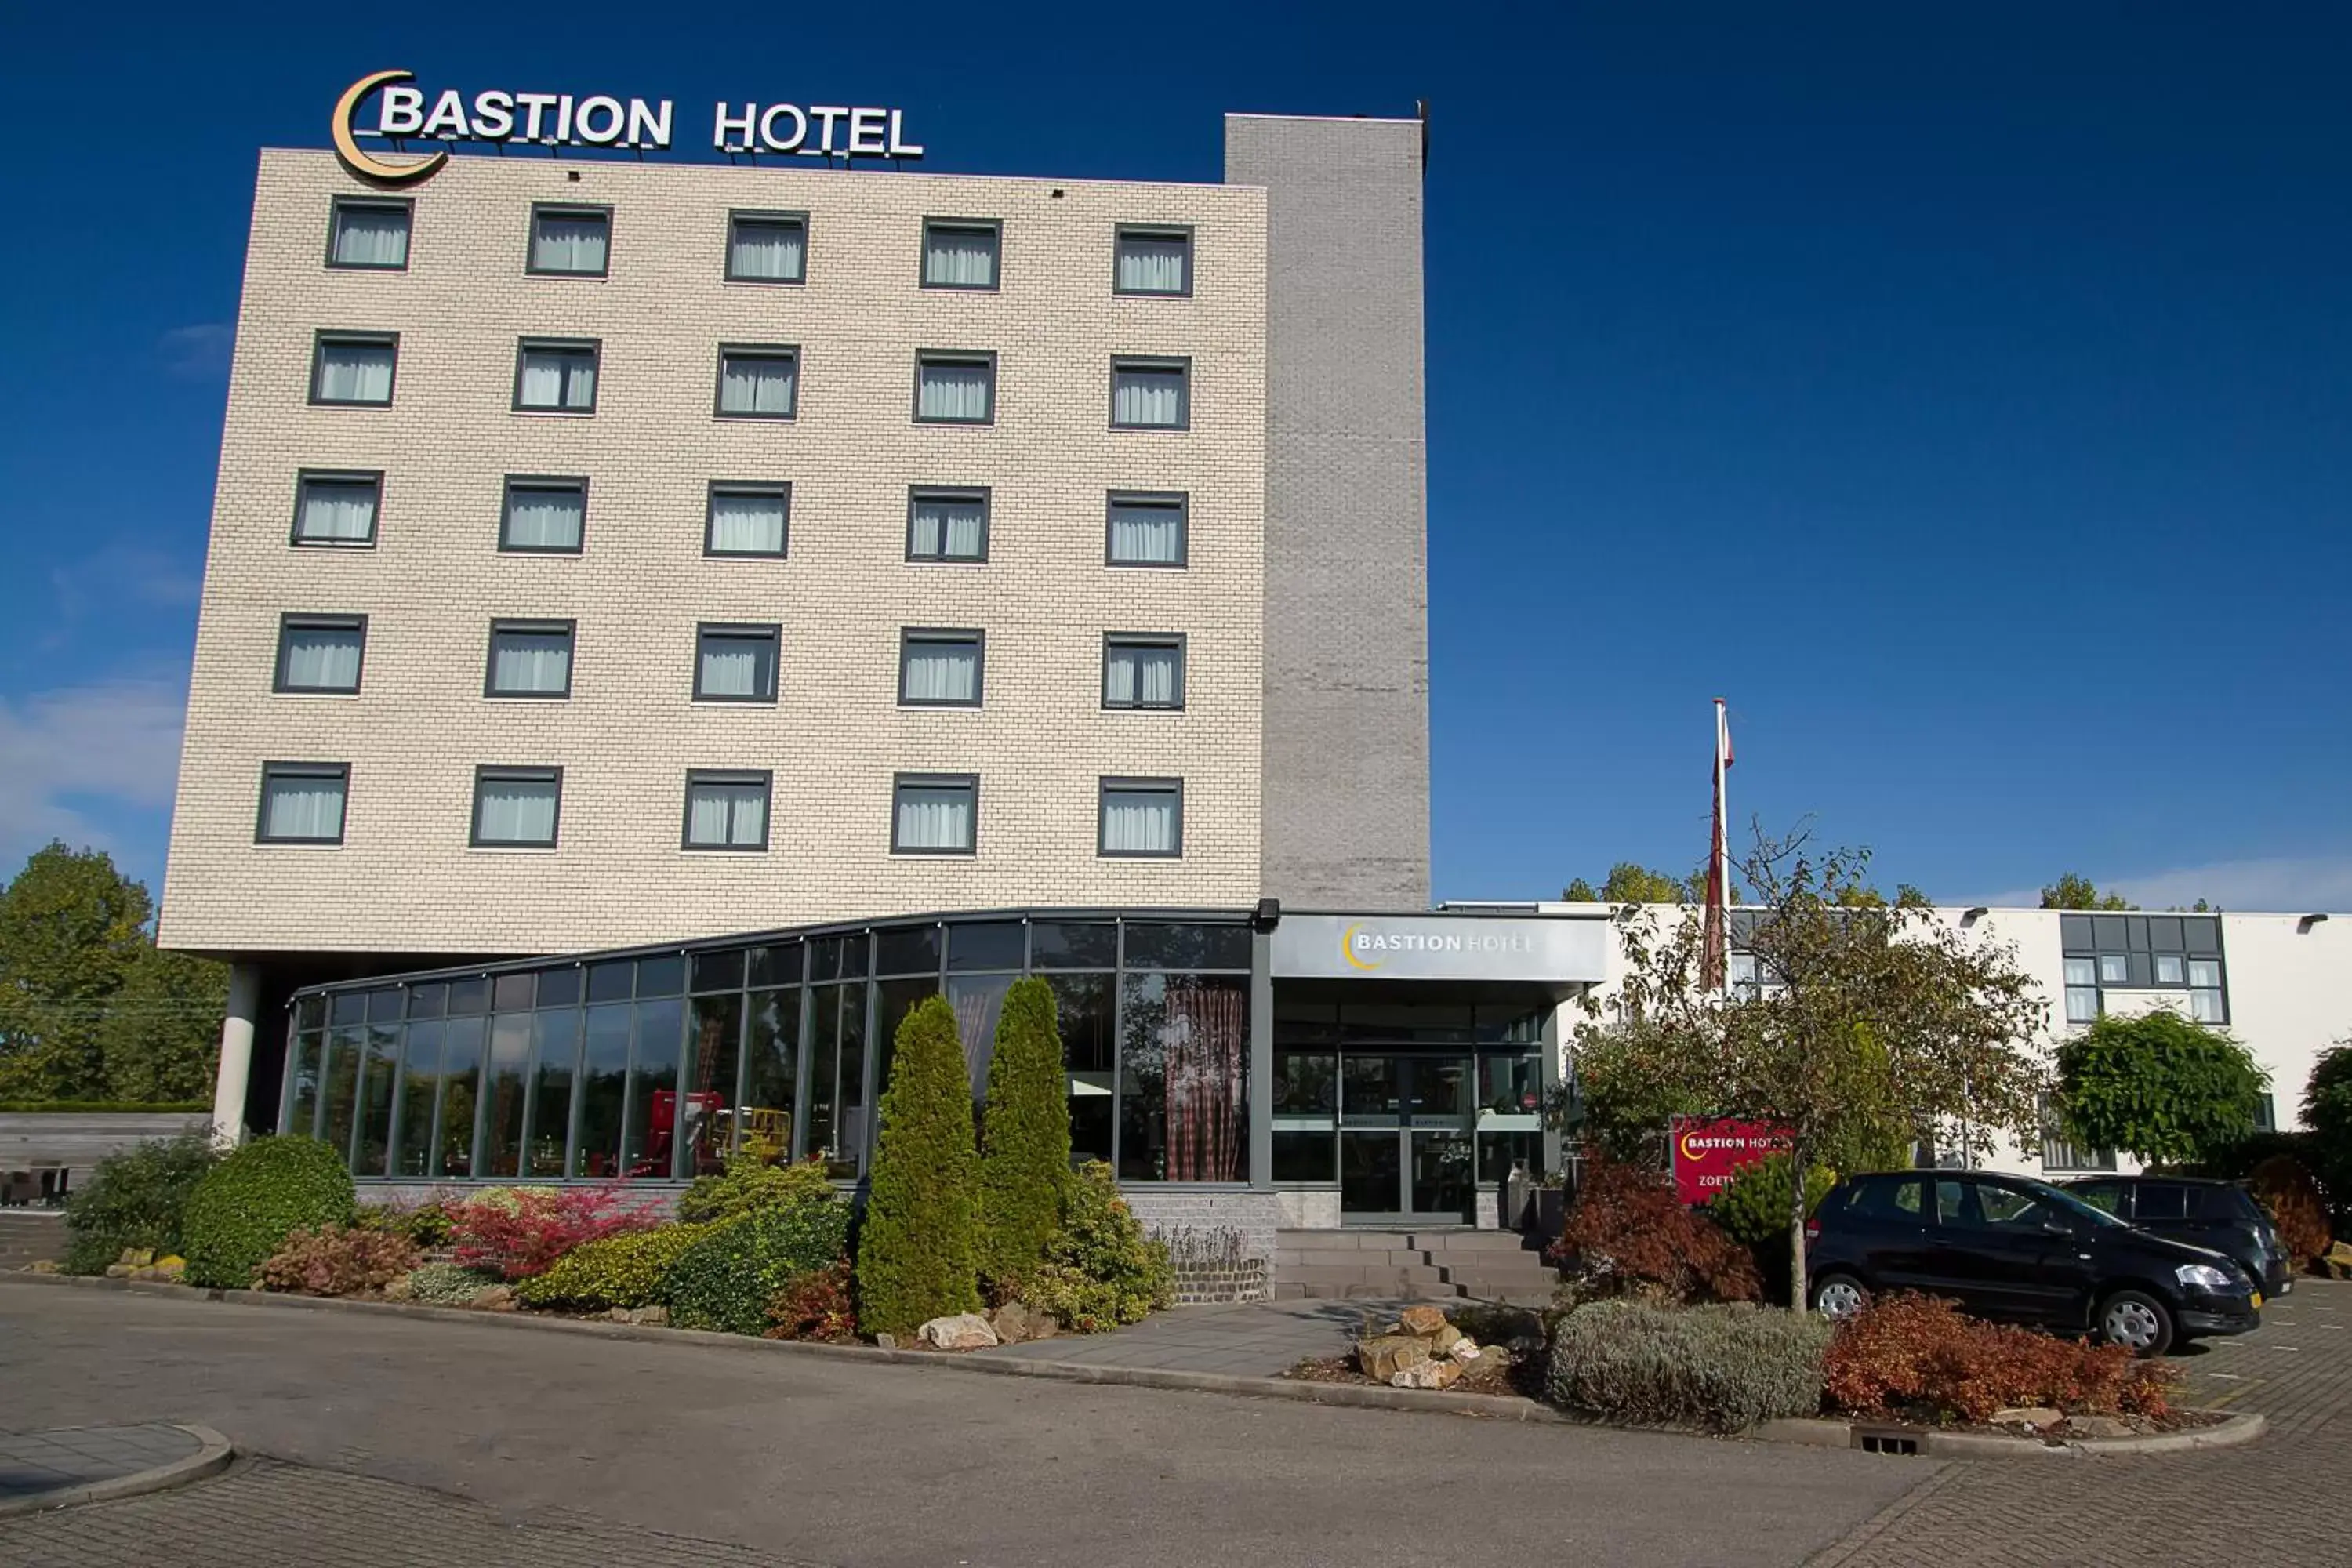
x: 1965, y: 396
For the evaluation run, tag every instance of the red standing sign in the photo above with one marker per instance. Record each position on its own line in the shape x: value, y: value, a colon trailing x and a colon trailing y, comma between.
x: 1710, y: 1150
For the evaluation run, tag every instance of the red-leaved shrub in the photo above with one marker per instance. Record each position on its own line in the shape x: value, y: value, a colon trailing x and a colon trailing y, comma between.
x: 2285, y: 1188
x: 1919, y: 1356
x: 519, y: 1232
x: 816, y: 1305
x: 1628, y: 1232
x: 334, y: 1261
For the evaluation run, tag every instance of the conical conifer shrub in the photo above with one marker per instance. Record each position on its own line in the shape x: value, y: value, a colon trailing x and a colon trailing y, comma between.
x: 917, y: 1250
x: 1025, y: 1151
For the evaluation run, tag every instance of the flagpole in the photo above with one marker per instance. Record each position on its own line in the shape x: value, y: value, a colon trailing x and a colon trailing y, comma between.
x: 1722, y: 814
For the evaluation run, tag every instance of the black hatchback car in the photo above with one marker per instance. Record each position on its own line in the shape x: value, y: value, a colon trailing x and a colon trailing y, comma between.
x: 2011, y: 1248
x: 2218, y: 1215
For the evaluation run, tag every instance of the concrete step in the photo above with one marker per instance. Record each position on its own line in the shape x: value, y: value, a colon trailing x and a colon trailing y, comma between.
x: 1481, y: 1241
x: 1350, y: 1239
x: 1358, y: 1290
x: 1406, y: 1276
x: 1347, y: 1258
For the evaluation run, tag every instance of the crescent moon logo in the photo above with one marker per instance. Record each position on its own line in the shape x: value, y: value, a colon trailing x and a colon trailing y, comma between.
x: 347, y: 145
x: 1688, y: 1151
x: 1348, y: 948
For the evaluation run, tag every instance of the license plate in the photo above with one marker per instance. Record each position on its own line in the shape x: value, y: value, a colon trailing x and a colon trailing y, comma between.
x: 2258, y: 1300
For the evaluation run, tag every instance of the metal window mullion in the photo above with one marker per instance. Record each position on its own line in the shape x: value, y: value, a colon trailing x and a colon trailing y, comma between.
x: 869, y: 1088
x: 742, y: 1063
x: 803, y: 1072
x: 1118, y: 1051
x: 292, y: 1058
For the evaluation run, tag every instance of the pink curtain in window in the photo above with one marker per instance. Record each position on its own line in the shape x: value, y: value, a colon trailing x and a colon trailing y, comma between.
x: 1205, y: 1039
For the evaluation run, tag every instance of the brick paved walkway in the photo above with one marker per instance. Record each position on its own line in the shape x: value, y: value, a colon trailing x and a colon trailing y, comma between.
x: 1258, y: 1339
x: 2275, y: 1502
x: 64, y: 1458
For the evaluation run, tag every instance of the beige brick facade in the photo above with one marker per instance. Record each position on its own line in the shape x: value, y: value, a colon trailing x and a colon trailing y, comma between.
x: 404, y: 880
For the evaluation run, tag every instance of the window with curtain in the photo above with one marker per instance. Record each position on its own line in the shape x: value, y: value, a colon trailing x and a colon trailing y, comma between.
x: 758, y: 383
x: 747, y: 520
x: 543, y: 515
x: 321, y: 653
x: 1142, y: 818
x: 947, y: 525
x: 302, y: 803
x: 530, y: 658
x: 1150, y: 394
x: 570, y: 240
x: 735, y: 664
x: 336, y: 509
x: 1155, y: 261
x: 766, y: 247
x: 1148, y: 531
x: 2082, y: 991
x: 955, y: 389
x: 559, y: 378
x: 2206, y: 1001
x: 1143, y: 672
x: 355, y: 369
x: 517, y: 805
x: 726, y: 810
x: 960, y: 255
x: 939, y: 668
x: 370, y: 235
x: 933, y: 816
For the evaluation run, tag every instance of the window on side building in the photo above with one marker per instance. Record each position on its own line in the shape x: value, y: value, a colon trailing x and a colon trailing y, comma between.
x: 1148, y: 529
x: 320, y: 654
x: 515, y: 807
x: 1150, y: 393
x: 369, y: 234
x: 302, y: 803
x: 1153, y: 259
x: 354, y: 369
x: 759, y: 381
x: 939, y: 668
x: 569, y: 241
x: 543, y: 515
x: 336, y: 509
x: 735, y: 664
x: 1143, y: 670
x: 955, y: 388
x: 2082, y: 991
x: 934, y: 814
x: 767, y: 247
x: 960, y: 253
x: 725, y: 809
x: 1142, y: 818
x: 946, y: 523
x: 746, y: 518
x: 556, y: 375
x: 530, y: 658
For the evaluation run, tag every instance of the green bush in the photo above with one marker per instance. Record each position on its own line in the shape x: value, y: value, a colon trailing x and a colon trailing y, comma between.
x: 726, y: 1278
x: 629, y: 1270
x: 103, y: 1107
x: 916, y: 1257
x: 447, y: 1284
x: 427, y: 1224
x: 1754, y: 1212
x: 1100, y: 1270
x: 1024, y: 1146
x: 1720, y: 1367
x: 750, y: 1184
x: 247, y: 1205
x: 135, y: 1199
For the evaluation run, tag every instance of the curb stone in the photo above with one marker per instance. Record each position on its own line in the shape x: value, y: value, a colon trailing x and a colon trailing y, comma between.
x: 213, y: 1455
x: 2233, y: 1431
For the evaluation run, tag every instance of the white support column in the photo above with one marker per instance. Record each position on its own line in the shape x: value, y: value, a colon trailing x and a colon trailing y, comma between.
x: 235, y: 1054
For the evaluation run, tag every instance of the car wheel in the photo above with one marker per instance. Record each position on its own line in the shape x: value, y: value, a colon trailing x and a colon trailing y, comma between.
x: 1838, y: 1297
x: 2137, y: 1322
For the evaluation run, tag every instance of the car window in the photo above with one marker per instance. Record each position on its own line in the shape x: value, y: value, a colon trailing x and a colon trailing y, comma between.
x: 2106, y: 1195
x: 2067, y: 1205
x: 2160, y: 1201
x: 2229, y: 1203
x: 1896, y: 1198
x: 2007, y: 1208
x: 1957, y: 1206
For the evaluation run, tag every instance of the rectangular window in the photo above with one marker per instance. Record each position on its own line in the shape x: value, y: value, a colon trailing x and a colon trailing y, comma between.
x: 319, y: 653
x: 735, y: 664
x: 1147, y: 531
x: 2204, y: 974
x: 570, y: 241
x: 1150, y: 393
x: 1142, y: 818
x: 954, y: 388
x: 2170, y: 968
x: 515, y: 807
x: 354, y: 369
x: 369, y: 235
x: 2114, y: 969
x: 1154, y: 260
x: 758, y: 381
x: 2082, y: 991
x: 336, y: 509
x: 302, y: 803
x: 746, y: 519
x: 726, y: 810
x: 938, y: 668
x: 1142, y: 671
x: 543, y: 516
x: 934, y: 815
x: 530, y: 658
x: 960, y: 253
x: 554, y: 376
x: 767, y: 247
x: 947, y: 524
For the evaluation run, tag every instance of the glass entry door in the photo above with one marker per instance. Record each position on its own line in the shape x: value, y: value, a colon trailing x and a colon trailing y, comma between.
x: 1405, y: 1150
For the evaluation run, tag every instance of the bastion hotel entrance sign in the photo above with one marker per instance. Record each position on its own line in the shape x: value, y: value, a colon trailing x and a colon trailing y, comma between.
x: 1441, y: 947
x: 597, y: 120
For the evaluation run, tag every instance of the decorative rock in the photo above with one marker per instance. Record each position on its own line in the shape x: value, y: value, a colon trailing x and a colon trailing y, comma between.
x: 118, y: 1271
x: 493, y: 1299
x: 1426, y: 1374
x: 962, y: 1331
x: 1384, y: 1357
x: 1463, y: 1350
x: 400, y: 1289
x: 650, y: 1317
x: 886, y: 1342
x: 1422, y: 1320
x: 1014, y: 1322
x: 1443, y: 1342
x: 137, y: 1256
x: 45, y: 1265
x: 2027, y: 1415
x: 2098, y: 1426
x: 616, y: 1314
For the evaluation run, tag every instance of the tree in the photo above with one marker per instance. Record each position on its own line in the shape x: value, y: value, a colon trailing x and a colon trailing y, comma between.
x: 160, y: 1040
x: 1024, y: 1148
x: 2162, y: 1089
x: 2327, y: 1111
x: 2074, y: 893
x: 1869, y: 1020
x: 1629, y: 882
x: 916, y: 1255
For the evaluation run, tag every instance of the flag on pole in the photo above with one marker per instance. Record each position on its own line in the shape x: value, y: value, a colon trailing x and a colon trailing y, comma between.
x: 1715, y: 962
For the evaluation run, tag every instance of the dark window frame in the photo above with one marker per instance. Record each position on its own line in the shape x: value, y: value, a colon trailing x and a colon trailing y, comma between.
x: 1110, y: 784
x: 530, y: 266
x: 1154, y: 362
x: 994, y: 228
x: 595, y: 347
x: 336, y: 205
x: 485, y: 773
x: 322, y: 336
x: 303, y: 478
x: 510, y: 483
x: 773, y: 632
x: 779, y: 490
x: 294, y: 620
x: 1177, y: 640
x: 1119, y: 233
x: 274, y: 769
x: 974, y: 636
x: 527, y: 626
x: 1178, y: 501
x: 924, y: 358
x: 768, y: 216
x: 984, y: 494
x: 763, y: 777
x: 969, y: 782
x: 767, y: 351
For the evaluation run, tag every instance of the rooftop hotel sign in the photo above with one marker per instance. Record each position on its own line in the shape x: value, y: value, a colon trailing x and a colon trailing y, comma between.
x: 565, y: 120
x: 1441, y: 947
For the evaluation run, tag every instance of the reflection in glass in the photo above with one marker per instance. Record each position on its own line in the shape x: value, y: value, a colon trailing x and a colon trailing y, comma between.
x: 1305, y: 1157
x: 604, y: 1082
x: 1187, y: 946
x: 1371, y: 1089
x: 894, y: 999
x: 1183, y: 1109
x: 1441, y: 1173
x: 709, y: 1131
x: 376, y: 1079
x: 344, y: 1044
x: 554, y: 1055
x: 773, y: 1049
x: 502, y: 1094
x: 1087, y: 1010
x: 1371, y: 1173
x: 420, y: 1081
x: 1306, y: 1083
x: 1073, y: 944
x: 461, y: 1067
x: 824, y: 1070
x: 977, y: 1000
x: 302, y: 1111
x: 1510, y: 1084
x: 853, y: 1121
x: 649, y: 1142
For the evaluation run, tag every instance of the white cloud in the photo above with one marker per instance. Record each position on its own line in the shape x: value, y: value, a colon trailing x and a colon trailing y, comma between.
x: 197, y: 353
x: 65, y: 752
x: 2283, y: 883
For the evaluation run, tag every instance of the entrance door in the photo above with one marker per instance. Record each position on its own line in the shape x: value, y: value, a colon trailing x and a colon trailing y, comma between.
x: 1405, y: 1150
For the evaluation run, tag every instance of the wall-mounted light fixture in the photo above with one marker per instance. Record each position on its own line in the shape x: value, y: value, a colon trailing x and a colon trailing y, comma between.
x: 1267, y: 915
x: 2302, y: 927
x: 1970, y: 916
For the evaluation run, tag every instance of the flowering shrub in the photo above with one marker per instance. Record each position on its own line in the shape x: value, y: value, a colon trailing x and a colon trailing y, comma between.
x: 520, y: 1231
x: 1628, y: 1232
x: 815, y: 1306
x: 1918, y: 1355
x: 447, y: 1285
x: 334, y: 1261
